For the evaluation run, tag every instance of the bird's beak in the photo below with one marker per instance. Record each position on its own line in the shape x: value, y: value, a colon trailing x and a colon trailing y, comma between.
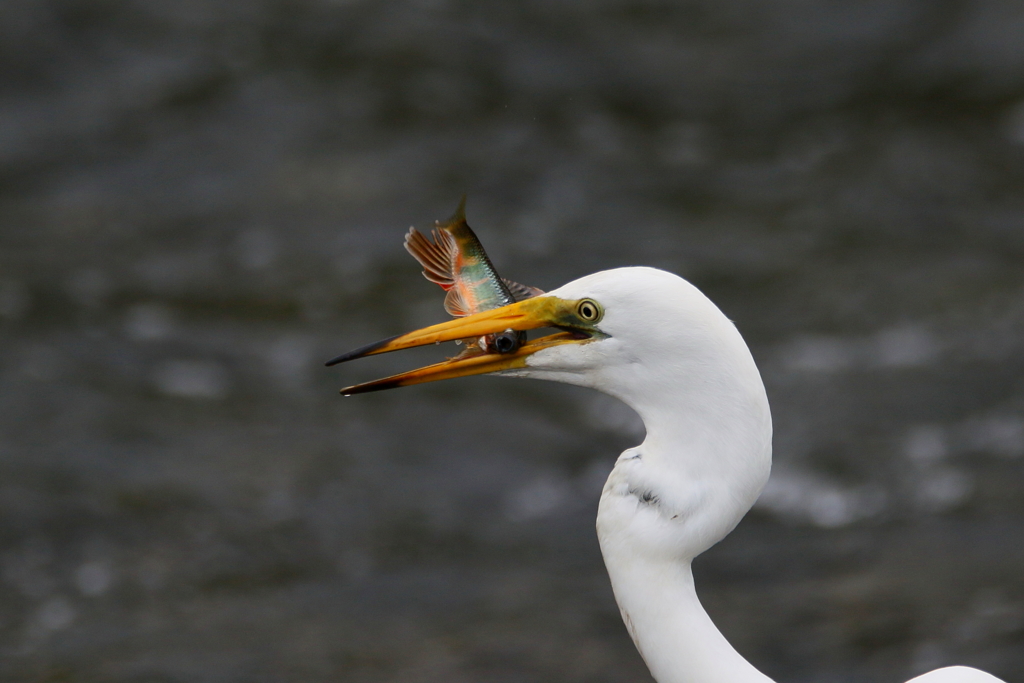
x: 531, y: 314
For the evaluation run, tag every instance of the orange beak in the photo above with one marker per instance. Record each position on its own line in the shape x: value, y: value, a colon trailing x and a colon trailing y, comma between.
x: 531, y: 314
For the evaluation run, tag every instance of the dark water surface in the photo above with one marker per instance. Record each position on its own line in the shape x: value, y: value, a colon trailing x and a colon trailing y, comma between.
x: 200, y: 202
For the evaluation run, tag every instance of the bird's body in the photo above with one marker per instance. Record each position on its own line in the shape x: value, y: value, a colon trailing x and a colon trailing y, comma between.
x: 652, y: 340
x: 955, y: 674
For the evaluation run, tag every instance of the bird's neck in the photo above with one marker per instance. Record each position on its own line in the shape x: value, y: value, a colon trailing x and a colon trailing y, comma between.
x: 673, y: 633
x: 705, y: 459
x: 652, y: 521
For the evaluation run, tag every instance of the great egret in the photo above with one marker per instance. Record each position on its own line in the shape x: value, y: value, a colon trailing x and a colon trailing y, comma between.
x: 654, y: 341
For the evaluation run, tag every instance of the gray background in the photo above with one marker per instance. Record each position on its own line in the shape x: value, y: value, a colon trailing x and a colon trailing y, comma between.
x: 200, y: 202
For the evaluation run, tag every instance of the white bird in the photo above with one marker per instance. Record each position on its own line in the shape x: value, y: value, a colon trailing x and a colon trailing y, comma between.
x: 654, y: 341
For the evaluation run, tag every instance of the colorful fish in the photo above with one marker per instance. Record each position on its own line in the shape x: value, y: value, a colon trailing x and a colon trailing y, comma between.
x: 456, y: 261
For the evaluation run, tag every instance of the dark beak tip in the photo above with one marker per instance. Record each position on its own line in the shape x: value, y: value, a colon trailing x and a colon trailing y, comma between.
x: 361, y: 351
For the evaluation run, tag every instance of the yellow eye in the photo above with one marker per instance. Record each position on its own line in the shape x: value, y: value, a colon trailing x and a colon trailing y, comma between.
x: 588, y: 310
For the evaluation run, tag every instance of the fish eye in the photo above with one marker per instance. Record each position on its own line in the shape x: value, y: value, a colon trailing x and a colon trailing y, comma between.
x: 588, y: 310
x: 506, y: 342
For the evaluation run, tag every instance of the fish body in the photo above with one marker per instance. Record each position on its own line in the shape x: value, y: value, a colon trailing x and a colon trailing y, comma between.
x: 455, y: 260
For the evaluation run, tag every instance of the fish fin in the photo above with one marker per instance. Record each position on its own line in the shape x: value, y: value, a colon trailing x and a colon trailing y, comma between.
x: 460, y: 213
x: 455, y: 304
x: 520, y: 292
x: 472, y: 349
x: 437, y: 257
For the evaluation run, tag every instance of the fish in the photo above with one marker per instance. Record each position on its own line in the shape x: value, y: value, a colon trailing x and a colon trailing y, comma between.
x: 455, y: 260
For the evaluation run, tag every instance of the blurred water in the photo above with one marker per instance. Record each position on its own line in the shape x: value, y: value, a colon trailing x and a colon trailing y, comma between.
x: 201, y: 202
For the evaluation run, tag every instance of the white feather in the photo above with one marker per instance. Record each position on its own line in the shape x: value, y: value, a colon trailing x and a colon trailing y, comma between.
x: 674, y: 358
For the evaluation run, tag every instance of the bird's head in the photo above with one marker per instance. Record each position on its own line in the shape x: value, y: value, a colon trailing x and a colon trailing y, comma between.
x: 652, y: 340
x: 624, y: 331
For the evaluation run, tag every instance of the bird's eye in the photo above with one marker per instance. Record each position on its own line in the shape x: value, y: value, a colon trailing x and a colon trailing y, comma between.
x: 588, y: 310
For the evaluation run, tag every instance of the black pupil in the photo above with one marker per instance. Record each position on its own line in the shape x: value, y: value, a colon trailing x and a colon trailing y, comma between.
x: 587, y: 311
